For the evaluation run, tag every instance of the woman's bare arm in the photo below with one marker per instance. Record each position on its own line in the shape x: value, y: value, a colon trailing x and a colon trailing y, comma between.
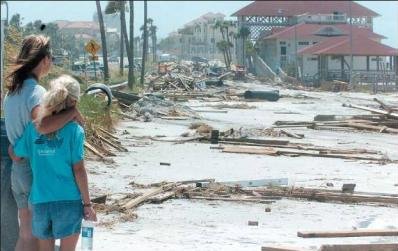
x: 55, y: 122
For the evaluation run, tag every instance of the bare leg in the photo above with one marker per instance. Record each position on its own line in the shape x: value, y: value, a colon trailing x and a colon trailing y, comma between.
x: 47, y: 245
x: 26, y: 241
x: 69, y: 243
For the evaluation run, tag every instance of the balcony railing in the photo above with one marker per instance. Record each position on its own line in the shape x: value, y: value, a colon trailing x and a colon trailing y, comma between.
x: 322, y: 18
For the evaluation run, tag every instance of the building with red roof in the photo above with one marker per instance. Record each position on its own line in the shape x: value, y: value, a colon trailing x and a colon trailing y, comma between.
x: 314, y: 37
x: 294, y: 8
x: 330, y: 58
x: 80, y: 29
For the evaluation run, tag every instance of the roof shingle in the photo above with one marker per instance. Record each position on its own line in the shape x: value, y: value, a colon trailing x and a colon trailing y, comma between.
x: 292, y: 8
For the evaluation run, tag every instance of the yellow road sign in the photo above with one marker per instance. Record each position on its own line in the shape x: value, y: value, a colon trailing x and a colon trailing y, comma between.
x: 92, y: 47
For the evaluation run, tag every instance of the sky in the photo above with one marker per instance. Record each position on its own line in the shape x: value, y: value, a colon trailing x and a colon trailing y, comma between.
x: 168, y: 16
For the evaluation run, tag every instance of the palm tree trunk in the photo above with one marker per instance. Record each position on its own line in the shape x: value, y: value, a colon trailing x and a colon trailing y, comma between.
x: 126, y: 40
x: 228, y: 48
x: 131, y: 78
x: 225, y: 49
x: 103, y: 41
x: 144, y: 49
x: 225, y: 58
x: 243, y: 51
x: 154, y: 47
x: 121, y: 65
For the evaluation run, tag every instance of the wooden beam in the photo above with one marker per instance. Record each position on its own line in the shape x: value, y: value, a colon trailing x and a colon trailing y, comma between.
x: 372, y: 127
x: 136, y: 201
x: 390, y: 114
x: 249, y: 150
x: 258, y: 141
x: 325, y: 196
x: 94, y: 150
x: 280, y: 248
x: 360, y: 247
x: 349, y: 233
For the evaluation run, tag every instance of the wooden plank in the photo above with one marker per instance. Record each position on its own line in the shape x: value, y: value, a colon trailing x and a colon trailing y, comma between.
x: 382, y: 104
x: 293, y: 135
x: 275, y: 152
x: 347, y: 233
x: 159, y: 198
x: 321, y: 195
x: 257, y: 183
x: 262, y: 201
x: 107, y: 133
x: 249, y: 150
x: 136, y: 201
x: 373, y: 128
x: 93, y: 149
x: 257, y: 141
x: 360, y: 247
x: 184, y: 182
x: 280, y: 248
x: 117, y: 147
x: 390, y: 114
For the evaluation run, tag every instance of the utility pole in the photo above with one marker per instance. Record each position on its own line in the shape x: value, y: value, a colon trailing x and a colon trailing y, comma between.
x: 351, y: 57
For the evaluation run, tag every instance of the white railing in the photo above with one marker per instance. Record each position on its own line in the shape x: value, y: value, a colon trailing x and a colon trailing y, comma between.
x: 322, y: 18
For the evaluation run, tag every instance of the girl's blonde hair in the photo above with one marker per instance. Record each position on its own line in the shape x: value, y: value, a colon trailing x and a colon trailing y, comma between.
x: 63, y: 90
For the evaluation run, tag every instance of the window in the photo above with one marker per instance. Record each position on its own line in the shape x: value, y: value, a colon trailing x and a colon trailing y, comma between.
x: 312, y: 59
x: 282, y: 43
x: 303, y: 43
x: 314, y: 42
x: 283, y: 50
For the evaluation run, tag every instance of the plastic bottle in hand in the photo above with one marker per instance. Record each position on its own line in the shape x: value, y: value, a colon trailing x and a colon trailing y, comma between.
x: 87, y: 235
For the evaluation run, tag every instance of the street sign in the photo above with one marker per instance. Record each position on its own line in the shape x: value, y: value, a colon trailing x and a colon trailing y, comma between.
x: 92, y: 47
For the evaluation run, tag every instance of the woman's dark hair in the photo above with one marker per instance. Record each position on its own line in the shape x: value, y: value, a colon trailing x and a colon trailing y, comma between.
x: 34, y: 49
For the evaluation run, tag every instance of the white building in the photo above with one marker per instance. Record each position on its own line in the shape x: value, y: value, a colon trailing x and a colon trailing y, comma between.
x: 199, y: 38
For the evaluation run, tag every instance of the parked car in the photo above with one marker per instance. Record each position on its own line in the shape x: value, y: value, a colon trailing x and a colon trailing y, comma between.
x: 199, y: 60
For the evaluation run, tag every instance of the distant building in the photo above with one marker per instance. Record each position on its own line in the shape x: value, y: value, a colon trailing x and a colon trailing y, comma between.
x: 315, y: 36
x: 85, y: 30
x: 198, y: 38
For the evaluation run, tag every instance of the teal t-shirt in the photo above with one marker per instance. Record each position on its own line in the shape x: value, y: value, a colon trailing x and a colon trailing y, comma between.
x: 52, y: 159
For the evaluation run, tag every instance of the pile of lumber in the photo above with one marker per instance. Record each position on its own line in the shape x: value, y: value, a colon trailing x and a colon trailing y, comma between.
x: 341, y: 247
x: 174, y: 81
x: 383, y: 119
x: 275, y: 147
x: 102, y: 143
x: 323, y: 195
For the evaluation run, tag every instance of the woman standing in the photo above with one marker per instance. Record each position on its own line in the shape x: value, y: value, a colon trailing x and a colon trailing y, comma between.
x: 21, y: 105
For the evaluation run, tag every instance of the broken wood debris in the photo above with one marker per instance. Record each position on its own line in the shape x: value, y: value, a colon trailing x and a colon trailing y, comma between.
x: 360, y: 247
x: 383, y: 120
x: 322, y: 195
x: 348, y: 233
x: 275, y: 150
x: 99, y: 140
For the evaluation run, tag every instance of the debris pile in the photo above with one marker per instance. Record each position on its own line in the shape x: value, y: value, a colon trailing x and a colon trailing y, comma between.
x: 265, y: 191
x: 156, y: 106
x: 383, y: 120
x: 101, y: 142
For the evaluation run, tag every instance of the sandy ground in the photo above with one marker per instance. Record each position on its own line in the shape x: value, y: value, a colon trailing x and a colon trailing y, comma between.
x: 203, y: 225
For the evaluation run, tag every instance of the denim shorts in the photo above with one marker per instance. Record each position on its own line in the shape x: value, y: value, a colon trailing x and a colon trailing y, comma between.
x: 57, y: 220
x: 21, y: 182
